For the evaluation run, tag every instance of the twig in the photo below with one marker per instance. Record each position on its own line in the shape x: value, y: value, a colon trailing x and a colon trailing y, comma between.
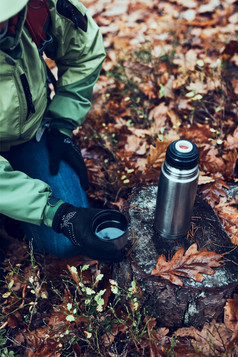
x: 230, y: 260
x: 3, y: 325
x: 134, y: 244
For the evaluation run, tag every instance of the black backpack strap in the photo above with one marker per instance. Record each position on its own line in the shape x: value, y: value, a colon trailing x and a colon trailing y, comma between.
x: 65, y: 8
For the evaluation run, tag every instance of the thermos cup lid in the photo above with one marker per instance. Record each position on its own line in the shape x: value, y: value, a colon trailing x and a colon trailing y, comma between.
x: 182, y: 154
x: 111, y: 226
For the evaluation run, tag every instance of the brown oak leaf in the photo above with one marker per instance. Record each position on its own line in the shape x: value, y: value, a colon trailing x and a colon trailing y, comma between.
x: 189, y: 264
x: 231, y: 313
x: 214, y: 192
x: 228, y: 214
x: 231, y: 320
x: 214, y: 334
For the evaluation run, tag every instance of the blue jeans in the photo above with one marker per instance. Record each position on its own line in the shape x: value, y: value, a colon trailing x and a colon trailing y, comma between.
x: 32, y: 158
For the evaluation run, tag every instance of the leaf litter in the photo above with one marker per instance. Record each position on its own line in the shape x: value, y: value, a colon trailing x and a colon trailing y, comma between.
x: 170, y: 72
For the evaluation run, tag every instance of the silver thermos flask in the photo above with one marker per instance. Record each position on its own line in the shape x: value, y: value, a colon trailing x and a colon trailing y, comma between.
x: 177, y: 190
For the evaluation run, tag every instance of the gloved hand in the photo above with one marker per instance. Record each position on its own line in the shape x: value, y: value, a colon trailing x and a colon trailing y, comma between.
x: 75, y: 224
x: 62, y: 147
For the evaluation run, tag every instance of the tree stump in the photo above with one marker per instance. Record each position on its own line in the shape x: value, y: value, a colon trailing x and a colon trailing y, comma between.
x: 174, y: 306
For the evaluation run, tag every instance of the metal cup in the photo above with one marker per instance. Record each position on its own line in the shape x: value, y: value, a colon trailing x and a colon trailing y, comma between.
x: 111, y: 226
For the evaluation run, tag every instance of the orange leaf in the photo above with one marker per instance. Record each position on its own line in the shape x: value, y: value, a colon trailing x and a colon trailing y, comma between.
x: 190, y: 265
x: 227, y: 212
x: 231, y: 313
x: 214, y: 192
x: 157, y: 154
x: 232, y: 140
x: 73, y: 271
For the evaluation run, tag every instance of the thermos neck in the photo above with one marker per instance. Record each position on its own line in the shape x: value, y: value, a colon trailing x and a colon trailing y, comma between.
x: 178, y: 174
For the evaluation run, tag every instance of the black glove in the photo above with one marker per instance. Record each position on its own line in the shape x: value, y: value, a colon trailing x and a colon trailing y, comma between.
x: 62, y: 147
x: 75, y: 224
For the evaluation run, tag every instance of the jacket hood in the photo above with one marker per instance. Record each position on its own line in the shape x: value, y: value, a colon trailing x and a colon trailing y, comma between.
x: 11, y: 42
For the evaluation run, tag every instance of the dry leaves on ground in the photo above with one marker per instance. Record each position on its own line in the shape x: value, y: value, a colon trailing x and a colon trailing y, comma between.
x: 231, y: 320
x: 213, y: 340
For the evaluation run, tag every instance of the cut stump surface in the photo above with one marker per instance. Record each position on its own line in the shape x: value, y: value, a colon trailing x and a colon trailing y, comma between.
x: 194, y: 303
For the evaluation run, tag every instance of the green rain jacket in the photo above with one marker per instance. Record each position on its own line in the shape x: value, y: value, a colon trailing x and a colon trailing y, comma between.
x: 78, y: 55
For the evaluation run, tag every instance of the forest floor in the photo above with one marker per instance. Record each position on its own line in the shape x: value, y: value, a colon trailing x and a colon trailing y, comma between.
x: 171, y: 72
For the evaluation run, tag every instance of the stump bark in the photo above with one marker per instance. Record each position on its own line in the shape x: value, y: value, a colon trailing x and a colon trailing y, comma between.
x: 194, y: 303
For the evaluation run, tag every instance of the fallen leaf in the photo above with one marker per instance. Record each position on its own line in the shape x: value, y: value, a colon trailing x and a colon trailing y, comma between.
x: 231, y: 48
x: 232, y: 140
x: 210, y: 7
x: 191, y: 58
x: 231, y: 320
x: 156, y: 154
x: 135, y: 145
x: 108, y: 338
x: 116, y: 10
x: 39, y: 345
x: 189, y: 264
x: 159, y: 115
x: 235, y: 85
x: 230, y: 158
x: 228, y: 214
x: 231, y: 313
x: 74, y: 272
x: 213, y: 335
x: 187, y: 3
x: 214, y: 192
x: 189, y: 15
x: 234, y: 18
x: 174, y: 118
x: 203, y: 179
x: 157, y: 338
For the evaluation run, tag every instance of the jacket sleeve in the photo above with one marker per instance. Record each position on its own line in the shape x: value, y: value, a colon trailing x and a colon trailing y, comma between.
x: 78, y: 51
x: 22, y: 198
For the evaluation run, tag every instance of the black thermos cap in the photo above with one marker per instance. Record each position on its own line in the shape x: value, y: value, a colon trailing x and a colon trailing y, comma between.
x: 182, y: 154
